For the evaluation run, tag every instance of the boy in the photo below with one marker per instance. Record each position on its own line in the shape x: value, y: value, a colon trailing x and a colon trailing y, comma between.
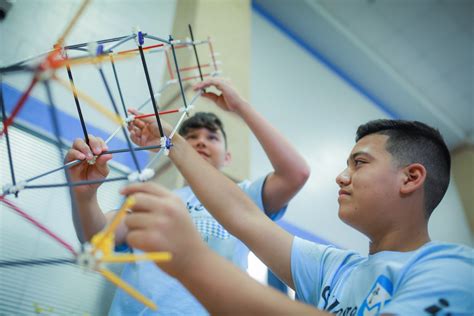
x: 396, y: 175
x: 205, y: 133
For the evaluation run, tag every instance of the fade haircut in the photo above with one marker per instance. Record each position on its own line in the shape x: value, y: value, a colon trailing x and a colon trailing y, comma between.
x: 205, y: 120
x: 415, y: 142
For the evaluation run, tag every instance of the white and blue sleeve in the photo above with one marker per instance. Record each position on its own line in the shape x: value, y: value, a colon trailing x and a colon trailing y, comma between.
x: 440, y: 284
x: 254, y: 190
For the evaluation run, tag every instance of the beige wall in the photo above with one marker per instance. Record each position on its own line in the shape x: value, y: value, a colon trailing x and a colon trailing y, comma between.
x: 228, y: 24
x: 463, y: 173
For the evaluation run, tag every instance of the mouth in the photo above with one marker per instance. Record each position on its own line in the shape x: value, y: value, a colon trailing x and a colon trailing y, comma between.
x: 204, y: 154
x: 343, y: 193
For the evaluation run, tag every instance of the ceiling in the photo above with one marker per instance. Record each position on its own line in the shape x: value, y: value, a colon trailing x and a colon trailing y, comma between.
x: 414, y: 58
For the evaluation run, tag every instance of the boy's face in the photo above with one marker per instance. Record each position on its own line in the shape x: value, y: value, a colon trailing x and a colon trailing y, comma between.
x: 369, y: 186
x: 210, y: 145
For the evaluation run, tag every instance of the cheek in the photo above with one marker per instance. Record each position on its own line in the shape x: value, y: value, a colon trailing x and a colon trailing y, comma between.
x: 192, y: 142
x: 217, y: 149
x: 376, y: 192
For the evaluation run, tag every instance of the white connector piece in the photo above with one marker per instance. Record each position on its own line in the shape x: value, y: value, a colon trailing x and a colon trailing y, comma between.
x: 87, y: 260
x: 145, y: 175
x: 13, y: 189
x: 129, y: 119
x: 92, y: 161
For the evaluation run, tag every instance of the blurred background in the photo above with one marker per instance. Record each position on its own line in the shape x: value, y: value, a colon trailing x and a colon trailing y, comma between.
x: 316, y: 69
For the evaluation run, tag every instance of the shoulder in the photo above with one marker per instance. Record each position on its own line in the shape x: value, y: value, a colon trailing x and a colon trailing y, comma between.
x: 437, y: 272
x: 441, y: 263
x: 314, y: 266
x: 330, y: 255
x: 436, y: 251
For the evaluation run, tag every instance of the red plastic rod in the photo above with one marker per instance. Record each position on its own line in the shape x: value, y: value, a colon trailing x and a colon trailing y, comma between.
x: 38, y: 224
x: 153, y: 114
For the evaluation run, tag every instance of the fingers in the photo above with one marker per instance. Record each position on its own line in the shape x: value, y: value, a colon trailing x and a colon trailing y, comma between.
x: 137, y: 136
x: 133, y: 111
x: 81, y: 146
x: 74, y: 154
x: 218, y: 83
x: 136, y: 221
x: 136, y: 129
x: 147, y: 203
x: 135, y: 132
x: 97, y: 145
x: 155, y: 220
x: 144, y: 240
x: 148, y: 187
x: 211, y: 96
x: 143, y: 120
x: 136, y: 239
x: 139, y: 123
x: 81, y: 151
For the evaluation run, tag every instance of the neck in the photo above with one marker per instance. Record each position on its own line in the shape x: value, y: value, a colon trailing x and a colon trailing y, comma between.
x: 402, y: 240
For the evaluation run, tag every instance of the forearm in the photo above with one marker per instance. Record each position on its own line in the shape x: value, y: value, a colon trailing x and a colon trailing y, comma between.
x: 225, y: 290
x: 89, y: 219
x: 219, y: 194
x: 234, y: 210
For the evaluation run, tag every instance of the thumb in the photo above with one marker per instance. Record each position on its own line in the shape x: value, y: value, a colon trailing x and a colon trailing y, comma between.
x: 101, y: 163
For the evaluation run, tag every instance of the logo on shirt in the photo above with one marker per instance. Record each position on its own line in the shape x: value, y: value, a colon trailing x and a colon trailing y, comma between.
x: 379, y: 296
x: 205, y: 224
x: 194, y: 207
x: 436, y: 308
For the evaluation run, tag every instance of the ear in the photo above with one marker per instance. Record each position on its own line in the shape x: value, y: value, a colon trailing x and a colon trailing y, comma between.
x: 414, y: 176
x: 227, y: 158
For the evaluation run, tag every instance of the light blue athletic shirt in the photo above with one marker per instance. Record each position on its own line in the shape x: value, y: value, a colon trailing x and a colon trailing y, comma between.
x: 436, y: 279
x: 171, y: 297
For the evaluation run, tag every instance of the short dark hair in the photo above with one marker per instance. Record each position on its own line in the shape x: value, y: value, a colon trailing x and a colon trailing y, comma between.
x: 206, y: 120
x: 415, y: 142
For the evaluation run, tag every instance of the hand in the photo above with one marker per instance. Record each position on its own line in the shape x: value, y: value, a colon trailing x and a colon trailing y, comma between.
x: 85, y: 171
x: 160, y: 222
x: 145, y: 131
x: 228, y: 100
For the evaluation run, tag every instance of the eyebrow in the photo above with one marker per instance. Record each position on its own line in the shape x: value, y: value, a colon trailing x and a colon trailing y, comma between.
x: 194, y: 131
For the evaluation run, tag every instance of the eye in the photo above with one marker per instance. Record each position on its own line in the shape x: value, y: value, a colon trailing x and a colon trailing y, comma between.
x: 191, y: 136
x: 358, y: 162
x: 213, y: 137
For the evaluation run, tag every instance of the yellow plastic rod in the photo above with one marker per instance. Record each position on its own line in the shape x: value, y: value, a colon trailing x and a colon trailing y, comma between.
x: 129, y: 202
x: 127, y: 288
x: 73, y: 22
x: 150, y: 256
x: 99, y: 107
x: 88, y: 60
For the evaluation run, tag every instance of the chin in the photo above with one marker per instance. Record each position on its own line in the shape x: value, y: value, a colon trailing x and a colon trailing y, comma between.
x: 351, y: 218
x: 346, y: 215
x: 342, y: 216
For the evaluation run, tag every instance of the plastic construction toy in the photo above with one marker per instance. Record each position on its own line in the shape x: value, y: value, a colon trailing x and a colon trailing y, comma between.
x: 92, y: 256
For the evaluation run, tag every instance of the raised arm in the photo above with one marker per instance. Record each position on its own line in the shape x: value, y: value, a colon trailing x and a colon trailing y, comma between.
x: 90, y: 218
x: 234, y: 210
x: 160, y: 222
x: 290, y: 169
x: 225, y: 201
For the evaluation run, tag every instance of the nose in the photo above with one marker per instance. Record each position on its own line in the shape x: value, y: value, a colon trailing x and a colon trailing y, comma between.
x: 200, y: 142
x: 343, y: 178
